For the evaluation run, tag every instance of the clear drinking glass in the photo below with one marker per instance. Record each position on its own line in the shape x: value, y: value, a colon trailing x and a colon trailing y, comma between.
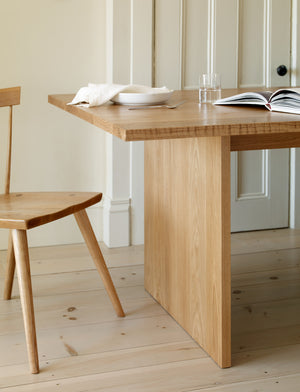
x: 210, y: 88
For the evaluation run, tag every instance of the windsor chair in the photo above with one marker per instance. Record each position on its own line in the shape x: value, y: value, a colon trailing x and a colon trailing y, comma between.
x: 22, y: 211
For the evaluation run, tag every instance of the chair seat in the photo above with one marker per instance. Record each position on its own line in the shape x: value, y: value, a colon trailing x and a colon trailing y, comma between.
x: 27, y: 210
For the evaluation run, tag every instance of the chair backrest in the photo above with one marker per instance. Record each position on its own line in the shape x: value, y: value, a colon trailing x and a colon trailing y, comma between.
x: 9, y: 97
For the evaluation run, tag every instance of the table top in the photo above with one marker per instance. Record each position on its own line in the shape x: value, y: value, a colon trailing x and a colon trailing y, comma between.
x: 188, y: 120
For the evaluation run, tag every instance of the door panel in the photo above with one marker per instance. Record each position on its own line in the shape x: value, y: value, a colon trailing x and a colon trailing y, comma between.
x: 255, y: 189
x: 279, y: 44
x: 251, y: 43
x: 255, y: 185
x: 195, y: 25
x: 168, y: 24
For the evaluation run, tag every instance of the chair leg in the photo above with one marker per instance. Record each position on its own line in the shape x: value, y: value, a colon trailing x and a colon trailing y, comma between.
x: 23, y: 271
x: 95, y: 251
x: 10, y: 269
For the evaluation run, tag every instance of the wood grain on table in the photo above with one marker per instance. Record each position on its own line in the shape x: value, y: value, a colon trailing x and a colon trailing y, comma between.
x: 188, y: 120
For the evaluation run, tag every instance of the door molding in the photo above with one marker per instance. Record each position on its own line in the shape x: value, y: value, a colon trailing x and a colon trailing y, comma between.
x: 129, y: 61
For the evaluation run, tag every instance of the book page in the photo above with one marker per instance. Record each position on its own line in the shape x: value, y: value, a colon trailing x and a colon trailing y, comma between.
x: 249, y: 98
x: 293, y: 93
x: 286, y: 100
x: 286, y: 105
x: 285, y: 109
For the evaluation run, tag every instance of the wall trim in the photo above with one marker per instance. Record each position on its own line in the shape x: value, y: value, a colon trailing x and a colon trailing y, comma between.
x: 211, y: 55
x: 129, y: 60
x: 116, y: 222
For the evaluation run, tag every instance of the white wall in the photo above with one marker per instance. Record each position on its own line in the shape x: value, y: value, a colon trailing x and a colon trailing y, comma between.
x: 53, y: 46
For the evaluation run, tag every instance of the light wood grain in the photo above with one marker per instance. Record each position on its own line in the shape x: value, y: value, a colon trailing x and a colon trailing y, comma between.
x: 274, y: 384
x: 85, y: 280
x: 10, y: 96
x: 24, y: 278
x: 243, y: 243
x: 148, y: 350
x: 187, y: 237
x: 8, y: 160
x: 81, y: 261
x: 188, y: 120
x: 27, y: 210
x: 92, y: 244
x: 10, y: 269
x: 100, y: 337
x: 261, y: 142
x: 104, y: 362
x: 71, y: 311
x: 190, y: 375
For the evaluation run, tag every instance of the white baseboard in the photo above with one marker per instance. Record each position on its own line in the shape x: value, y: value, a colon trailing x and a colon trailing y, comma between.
x: 116, y: 222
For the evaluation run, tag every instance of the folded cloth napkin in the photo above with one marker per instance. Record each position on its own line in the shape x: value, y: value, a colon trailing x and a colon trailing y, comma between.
x: 98, y: 94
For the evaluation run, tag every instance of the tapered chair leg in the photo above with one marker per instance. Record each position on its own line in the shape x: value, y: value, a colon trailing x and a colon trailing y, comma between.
x: 95, y: 251
x: 10, y: 269
x: 24, y: 279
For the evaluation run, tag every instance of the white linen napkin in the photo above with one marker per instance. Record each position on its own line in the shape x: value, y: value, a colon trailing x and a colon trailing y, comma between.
x: 98, y: 94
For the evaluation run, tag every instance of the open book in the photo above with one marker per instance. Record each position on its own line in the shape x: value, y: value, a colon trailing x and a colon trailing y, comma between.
x: 283, y: 100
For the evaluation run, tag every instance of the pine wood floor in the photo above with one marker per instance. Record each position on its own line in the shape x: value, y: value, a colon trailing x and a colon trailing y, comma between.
x: 83, y: 346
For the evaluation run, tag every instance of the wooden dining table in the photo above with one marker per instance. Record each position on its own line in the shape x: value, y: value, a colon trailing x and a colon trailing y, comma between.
x: 187, y: 199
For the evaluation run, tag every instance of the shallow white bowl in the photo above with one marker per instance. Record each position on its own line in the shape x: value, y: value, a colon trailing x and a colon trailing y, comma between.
x: 142, y: 98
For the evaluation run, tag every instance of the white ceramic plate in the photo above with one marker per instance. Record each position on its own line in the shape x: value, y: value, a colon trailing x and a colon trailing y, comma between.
x: 141, y: 98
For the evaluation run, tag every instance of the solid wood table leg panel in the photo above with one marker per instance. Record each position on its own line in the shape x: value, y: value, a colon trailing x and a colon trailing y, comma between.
x: 187, y: 237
